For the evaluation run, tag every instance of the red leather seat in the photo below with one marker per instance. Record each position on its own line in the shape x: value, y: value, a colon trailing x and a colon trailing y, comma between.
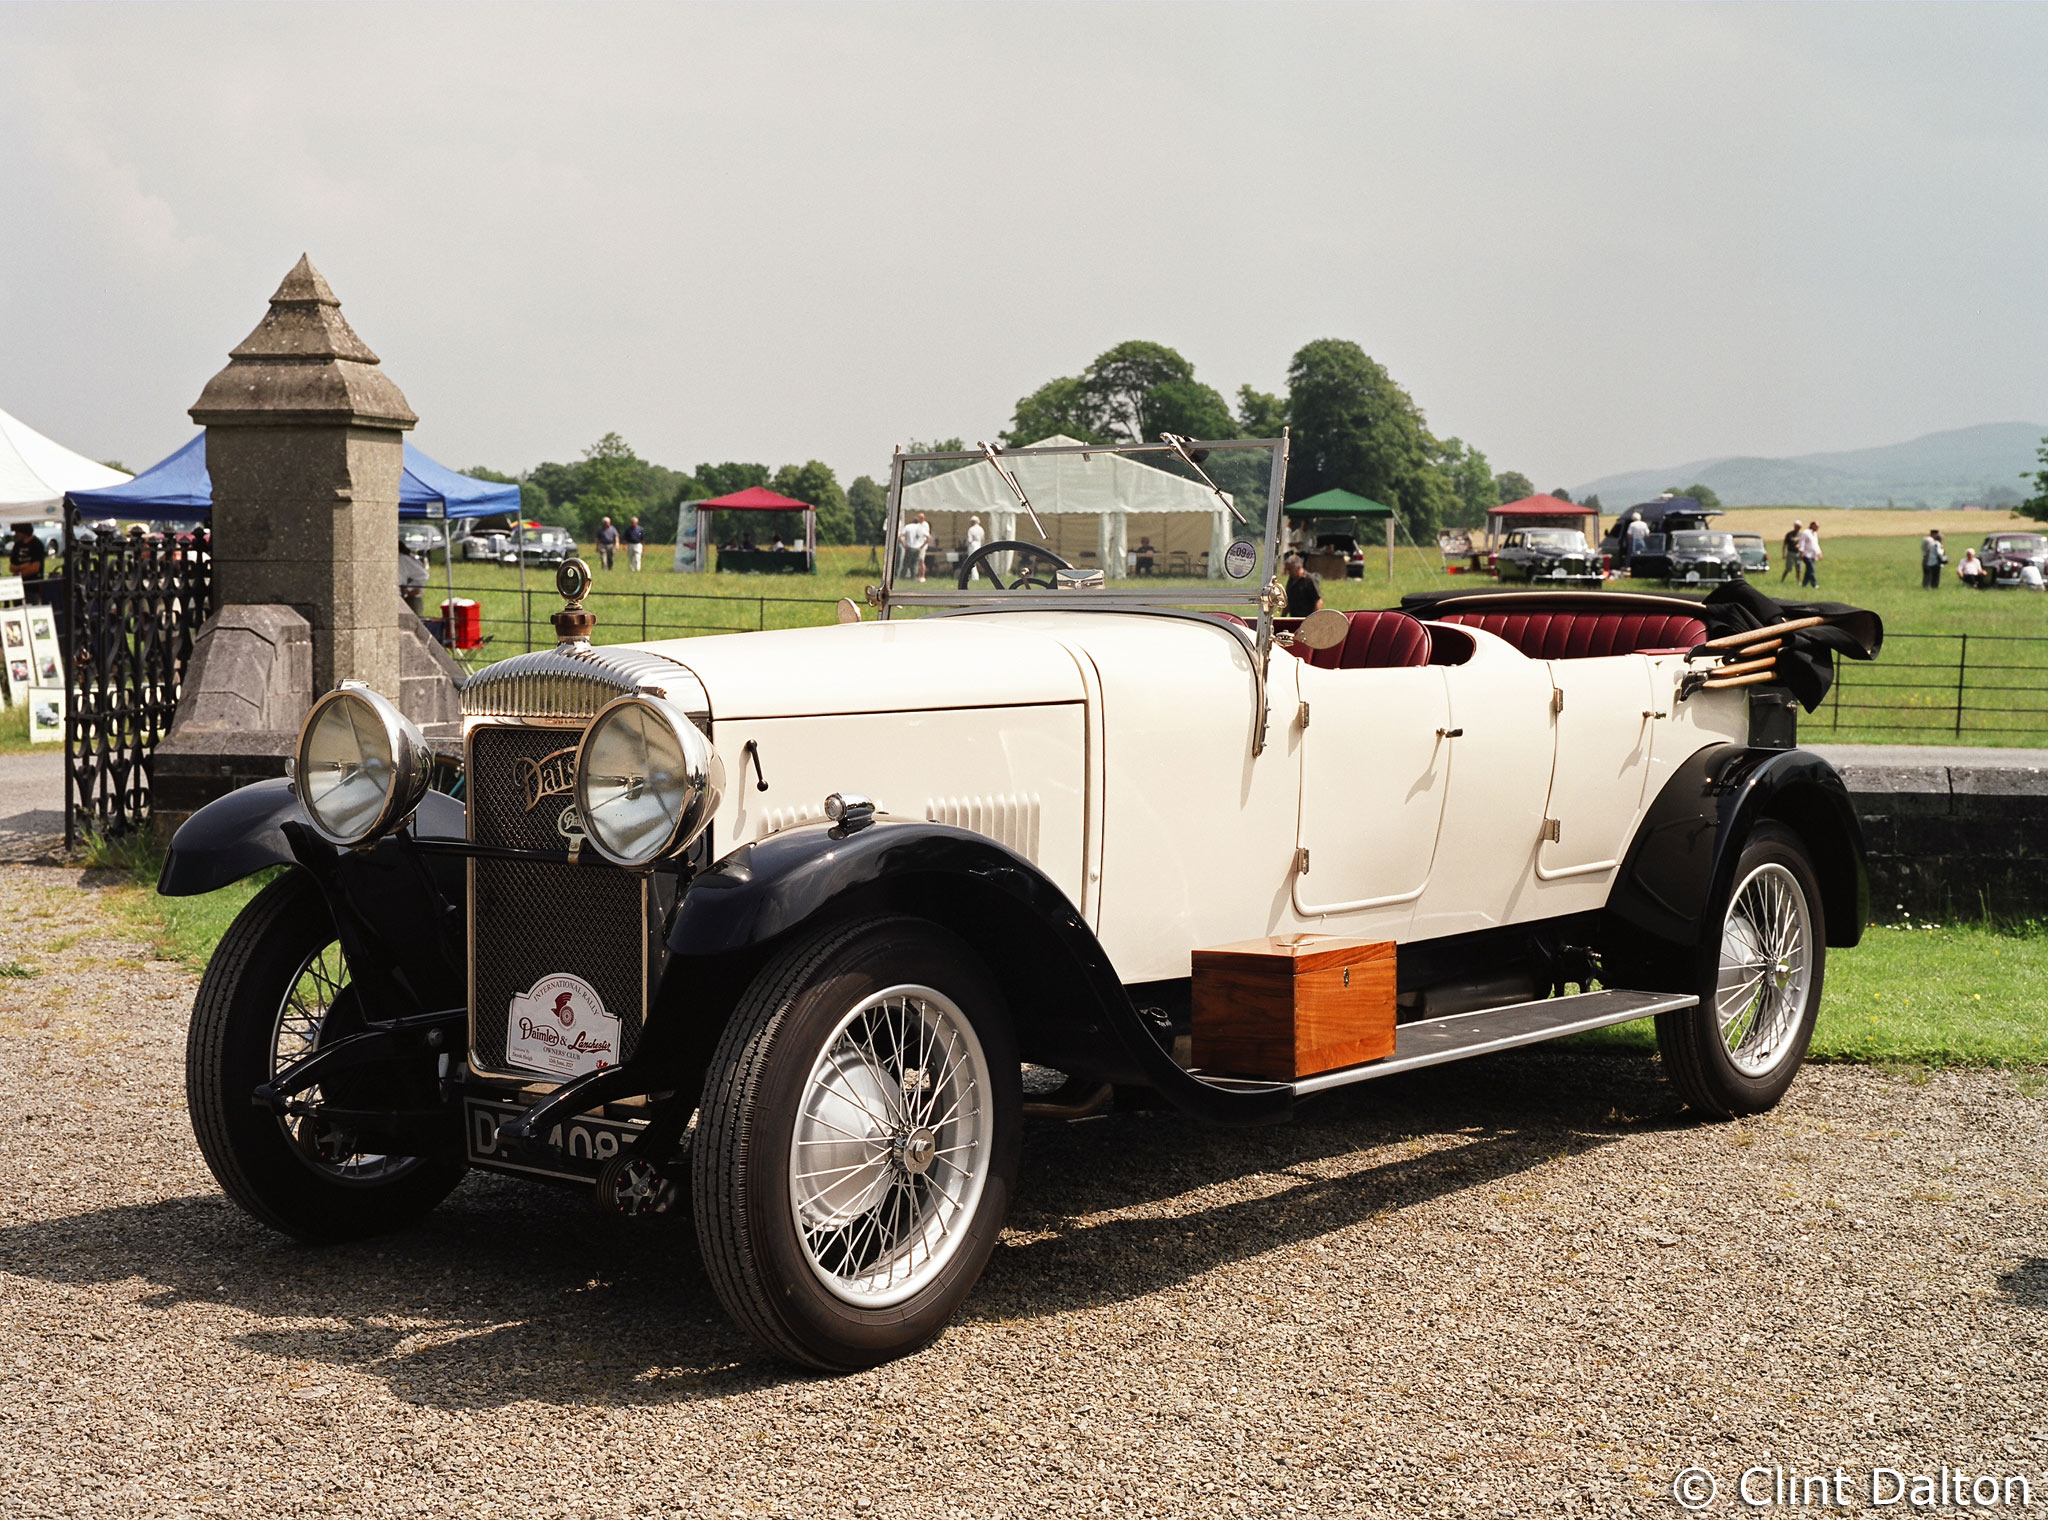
x: 1587, y: 635
x: 1377, y: 641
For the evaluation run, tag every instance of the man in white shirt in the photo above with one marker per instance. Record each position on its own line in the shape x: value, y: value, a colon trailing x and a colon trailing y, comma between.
x: 1809, y: 554
x: 976, y: 537
x: 915, y: 537
x: 2031, y: 578
x: 1638, y: 534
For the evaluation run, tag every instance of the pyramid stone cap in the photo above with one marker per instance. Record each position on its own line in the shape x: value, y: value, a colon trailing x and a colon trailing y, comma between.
x: 303, y: 364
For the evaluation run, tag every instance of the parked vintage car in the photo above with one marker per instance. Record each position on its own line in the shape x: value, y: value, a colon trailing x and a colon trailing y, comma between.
x: 769, y: 924
x: 2005, y: 557
x: 489, y: 546
x: 1701, y: 557
x: 1754, y: 552
x: 421, y: 539
x: 1548, y: 557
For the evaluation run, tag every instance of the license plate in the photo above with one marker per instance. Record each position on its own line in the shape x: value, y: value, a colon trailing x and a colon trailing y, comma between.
x: 578, y: 1147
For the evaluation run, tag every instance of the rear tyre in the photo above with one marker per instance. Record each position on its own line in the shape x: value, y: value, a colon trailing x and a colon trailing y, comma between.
x: 857, y: 1144
x: 276, y: 988
x: 1759, y: 977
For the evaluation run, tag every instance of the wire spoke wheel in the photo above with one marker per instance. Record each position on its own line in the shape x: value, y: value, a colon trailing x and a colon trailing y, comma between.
x: 890, y: 1149
x: 1766, y: 969
x: 307, y: 1011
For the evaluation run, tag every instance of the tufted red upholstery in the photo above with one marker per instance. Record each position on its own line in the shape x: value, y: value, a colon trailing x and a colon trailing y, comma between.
x: 1585, y: 635
x: 1377, y: 641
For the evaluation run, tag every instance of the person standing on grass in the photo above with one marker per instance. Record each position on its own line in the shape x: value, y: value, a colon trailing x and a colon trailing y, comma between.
x: 976, y: 537
x: 636, y: 541
x: 1791, y: 551
x: 607, y: 542
x: 1304, y: 595
x: 916, y: 538
x: 1809, y: 555
x: 1638, y: 534
x: 1932, y: 557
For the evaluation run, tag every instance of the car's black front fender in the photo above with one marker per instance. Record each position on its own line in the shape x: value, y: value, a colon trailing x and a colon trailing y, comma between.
x: 236, y: 836
x: 1681, y: 864
x: 1070, y: 1009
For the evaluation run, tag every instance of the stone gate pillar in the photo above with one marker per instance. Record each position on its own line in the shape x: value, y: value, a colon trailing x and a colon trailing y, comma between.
x: 304, y: 442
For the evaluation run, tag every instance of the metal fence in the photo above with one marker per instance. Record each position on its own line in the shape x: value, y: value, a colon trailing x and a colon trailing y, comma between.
x: 1942, y: 688
x: 132, y: 607
x: 514, y: 621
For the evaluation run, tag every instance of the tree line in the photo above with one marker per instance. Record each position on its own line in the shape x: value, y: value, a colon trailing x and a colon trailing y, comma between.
x: 610, y: 480
x: 1353, y: 426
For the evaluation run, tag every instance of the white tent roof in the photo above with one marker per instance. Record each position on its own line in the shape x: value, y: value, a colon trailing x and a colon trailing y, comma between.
x: 35, y: 472
x: 1096, y: 484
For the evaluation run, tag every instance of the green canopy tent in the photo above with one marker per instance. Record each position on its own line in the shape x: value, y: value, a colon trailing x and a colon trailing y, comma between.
x: 1339, y: 505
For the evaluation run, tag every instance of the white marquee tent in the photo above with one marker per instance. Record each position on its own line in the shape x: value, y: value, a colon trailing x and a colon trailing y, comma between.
x: 1096, y: 508
x: 35, y: 472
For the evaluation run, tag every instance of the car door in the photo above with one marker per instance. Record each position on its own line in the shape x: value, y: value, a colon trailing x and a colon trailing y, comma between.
x: 1374, y: 766
x: 1601, y: 761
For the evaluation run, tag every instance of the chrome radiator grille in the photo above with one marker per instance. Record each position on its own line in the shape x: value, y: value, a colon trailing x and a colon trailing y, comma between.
x: 530, y: 919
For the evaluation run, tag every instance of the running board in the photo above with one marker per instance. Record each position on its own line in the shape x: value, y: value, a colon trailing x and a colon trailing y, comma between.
x: 1460, y: 1036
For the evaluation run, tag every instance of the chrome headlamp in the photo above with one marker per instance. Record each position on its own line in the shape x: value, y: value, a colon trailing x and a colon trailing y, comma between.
x: 362, y: 766
x: 647, y: 781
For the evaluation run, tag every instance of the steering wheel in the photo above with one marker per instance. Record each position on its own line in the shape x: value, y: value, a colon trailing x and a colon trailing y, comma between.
x: 1035, y: 565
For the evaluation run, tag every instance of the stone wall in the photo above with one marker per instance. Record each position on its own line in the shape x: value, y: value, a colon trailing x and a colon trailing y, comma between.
x: 1951, y: 834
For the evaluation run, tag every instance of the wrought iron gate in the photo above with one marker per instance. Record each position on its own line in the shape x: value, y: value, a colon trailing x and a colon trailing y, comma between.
x: 133, y: 605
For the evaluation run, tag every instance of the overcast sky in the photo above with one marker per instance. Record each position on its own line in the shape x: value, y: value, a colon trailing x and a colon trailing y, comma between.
x: 1585, y: 238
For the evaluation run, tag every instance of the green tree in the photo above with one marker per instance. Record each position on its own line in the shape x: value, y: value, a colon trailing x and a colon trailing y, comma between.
x: 1591, y: 501
x: 868, y: 501
x: 724, y: 479
x: 1260, y: 414
x: 1470, y: 478
x: 926, y: 469
x: 1560, y: 493
x: 1189, y: 408
x: 1057, y: 407
x: 533, y: 501
x: 814, y: 482
x: 2036, y: 506
x: 1514, y: 486
x: 1121, y: 383
x: 1704, y: 495
x: 1355, y: 428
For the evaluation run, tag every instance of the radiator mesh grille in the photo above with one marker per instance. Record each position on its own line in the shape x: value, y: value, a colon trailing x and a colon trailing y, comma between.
x: 530, y: 919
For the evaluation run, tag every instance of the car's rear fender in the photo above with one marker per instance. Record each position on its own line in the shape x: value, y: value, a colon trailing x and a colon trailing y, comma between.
x: 1682, y: 860
x: 1070, y: 1010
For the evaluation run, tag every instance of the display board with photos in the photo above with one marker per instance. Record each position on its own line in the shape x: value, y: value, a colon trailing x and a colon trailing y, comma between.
x: 17, y: 672
x: 45, y: 658
x: 46, y: 715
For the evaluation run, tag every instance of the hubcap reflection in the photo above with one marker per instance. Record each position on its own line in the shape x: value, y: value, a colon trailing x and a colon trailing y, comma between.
x: 1766, y: 969
x: 891, y: 1147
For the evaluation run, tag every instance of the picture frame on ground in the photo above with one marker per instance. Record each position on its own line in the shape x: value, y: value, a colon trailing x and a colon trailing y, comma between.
x: 46, y: 715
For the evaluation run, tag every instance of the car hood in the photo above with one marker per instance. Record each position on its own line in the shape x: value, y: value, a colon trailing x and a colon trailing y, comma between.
x: 915, y: 664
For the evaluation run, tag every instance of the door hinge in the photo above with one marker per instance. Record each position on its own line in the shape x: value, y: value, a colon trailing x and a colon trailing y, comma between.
x: 1302, y: 716
x: 1553, y: 830
x: 1301, y: 861
x: 1556, y: 700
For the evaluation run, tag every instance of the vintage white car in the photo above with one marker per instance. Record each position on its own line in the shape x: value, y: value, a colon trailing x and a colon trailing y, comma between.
x: 777, y: 924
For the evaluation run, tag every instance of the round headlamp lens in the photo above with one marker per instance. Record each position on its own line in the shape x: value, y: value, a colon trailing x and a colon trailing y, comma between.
x: 641, y: 781
x: 346, y: 769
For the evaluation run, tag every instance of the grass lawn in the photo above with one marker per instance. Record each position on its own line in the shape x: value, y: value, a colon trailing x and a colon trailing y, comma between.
x: 14, y: 732
x: 1926, y: 995
x: 1908, y: 696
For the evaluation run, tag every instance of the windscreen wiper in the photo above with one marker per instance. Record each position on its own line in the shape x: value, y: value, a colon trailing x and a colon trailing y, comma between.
x: 1181, y: 447
x: 989, y: 452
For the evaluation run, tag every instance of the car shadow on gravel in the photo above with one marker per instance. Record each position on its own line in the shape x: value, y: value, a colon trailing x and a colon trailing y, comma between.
x: 511, y: 1292
x: 2027, y: 1283
x: 1073, y: 1242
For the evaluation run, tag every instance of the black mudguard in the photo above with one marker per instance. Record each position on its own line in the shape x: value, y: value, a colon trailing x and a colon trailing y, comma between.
x: 1681, y: 864
x: 238, y: 835
x: 1071, y: 1011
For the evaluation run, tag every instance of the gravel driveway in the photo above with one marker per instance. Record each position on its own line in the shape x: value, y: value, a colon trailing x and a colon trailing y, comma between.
x: 1521, y: 1287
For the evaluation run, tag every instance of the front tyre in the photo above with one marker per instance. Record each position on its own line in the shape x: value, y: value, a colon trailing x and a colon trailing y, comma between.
x: 857, y: 1144
x: 1759, y: 979
x: 278, y: 986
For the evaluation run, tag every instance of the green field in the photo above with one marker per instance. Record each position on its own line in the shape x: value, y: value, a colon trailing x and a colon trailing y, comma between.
x: 1991, y: 647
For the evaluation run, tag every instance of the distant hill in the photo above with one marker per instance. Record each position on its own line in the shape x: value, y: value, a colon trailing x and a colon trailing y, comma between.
x: 1972, y: 465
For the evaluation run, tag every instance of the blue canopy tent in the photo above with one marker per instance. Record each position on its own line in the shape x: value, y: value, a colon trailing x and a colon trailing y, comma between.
x: 178, y: 489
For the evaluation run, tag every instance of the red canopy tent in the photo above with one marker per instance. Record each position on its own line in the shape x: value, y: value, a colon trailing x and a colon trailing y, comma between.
x: 759, y: 499
x: 1542, y: 512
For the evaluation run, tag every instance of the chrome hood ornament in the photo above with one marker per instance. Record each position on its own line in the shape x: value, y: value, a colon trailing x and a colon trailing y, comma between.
x: 574, y: 622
